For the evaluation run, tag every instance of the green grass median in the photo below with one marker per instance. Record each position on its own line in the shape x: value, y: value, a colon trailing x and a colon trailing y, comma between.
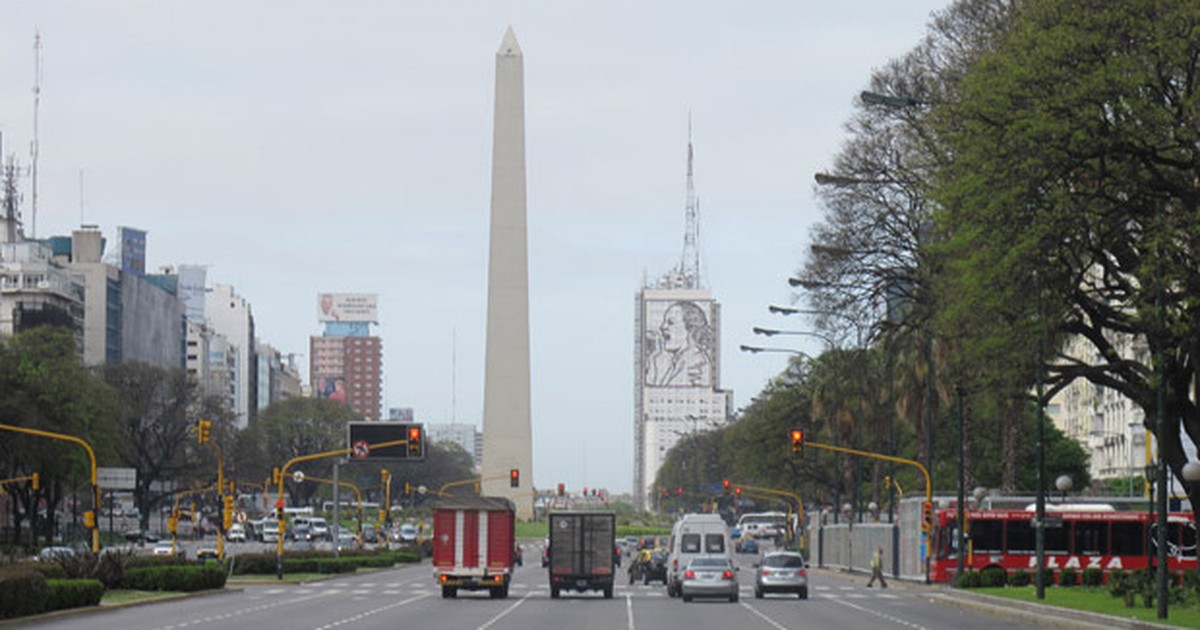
x: 1098, y: 600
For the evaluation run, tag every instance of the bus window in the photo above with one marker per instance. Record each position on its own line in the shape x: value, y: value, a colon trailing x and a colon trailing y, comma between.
x: 987, y: 536
x: 1091, y: 538
x: 1019, y: 538
x: 1127, y: 539
x: 1058, y: 539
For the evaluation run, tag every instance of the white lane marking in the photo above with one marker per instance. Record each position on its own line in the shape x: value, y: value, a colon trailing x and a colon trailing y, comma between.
x: 890, y: 618
x: 493, y: 620
x: 629, y: 610
x: 774, y: 624
x: 364, y: 615
x: 235, y: 613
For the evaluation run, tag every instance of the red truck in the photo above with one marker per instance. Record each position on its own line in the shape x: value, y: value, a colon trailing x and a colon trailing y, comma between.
x: 474, y: 545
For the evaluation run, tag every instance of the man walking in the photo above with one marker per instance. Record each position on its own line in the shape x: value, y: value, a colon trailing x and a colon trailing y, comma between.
x: 877, y: 569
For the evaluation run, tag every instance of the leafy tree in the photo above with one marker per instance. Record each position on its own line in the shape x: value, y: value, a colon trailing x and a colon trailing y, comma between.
x: 46, y: 387
x: 1071, y: 205
x: 289, y: 429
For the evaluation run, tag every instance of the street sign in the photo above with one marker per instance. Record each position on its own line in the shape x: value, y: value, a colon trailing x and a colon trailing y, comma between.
x: 1052, y: 522
x: 361, y: 450
x: 116, y: 478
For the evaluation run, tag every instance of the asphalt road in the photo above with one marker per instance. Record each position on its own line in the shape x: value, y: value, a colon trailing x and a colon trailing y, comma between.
x: 408, y: 598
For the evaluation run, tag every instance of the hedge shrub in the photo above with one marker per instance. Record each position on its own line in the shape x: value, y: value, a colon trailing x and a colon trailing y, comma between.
x: 1093, y: 577
x: 1020, y: 577
x: 967, y: 579
x: 1068, y: 578
x: 186, y: 578
x: 993, y: 577
x: 22, y: 592
x: 64, y: 594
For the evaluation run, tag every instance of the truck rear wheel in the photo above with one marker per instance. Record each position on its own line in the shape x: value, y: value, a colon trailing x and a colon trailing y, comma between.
x: 553, y: 592
x: 449, y: 592
x: 608, y: 590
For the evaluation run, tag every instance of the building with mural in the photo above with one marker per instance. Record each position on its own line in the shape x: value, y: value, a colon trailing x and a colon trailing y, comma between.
x: 346, y: 362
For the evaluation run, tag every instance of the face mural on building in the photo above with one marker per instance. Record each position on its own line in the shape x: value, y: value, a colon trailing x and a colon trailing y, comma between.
x: 679, y: 345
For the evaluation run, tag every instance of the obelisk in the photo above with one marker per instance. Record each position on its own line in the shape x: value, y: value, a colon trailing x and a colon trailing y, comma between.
x: 507, y: 430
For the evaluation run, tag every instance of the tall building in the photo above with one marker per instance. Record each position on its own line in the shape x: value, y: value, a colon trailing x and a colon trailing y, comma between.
x: 465, y: 435
x: 228, y: 315
x: 507, y: 424
x: 346, y: 362
x: 677, y: 373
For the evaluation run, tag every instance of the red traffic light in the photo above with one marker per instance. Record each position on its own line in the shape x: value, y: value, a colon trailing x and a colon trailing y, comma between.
x: 737, y: 491
x: 725, y: 485
x: 797, y: 441
x: 514, y: 478
x: 279, y: 503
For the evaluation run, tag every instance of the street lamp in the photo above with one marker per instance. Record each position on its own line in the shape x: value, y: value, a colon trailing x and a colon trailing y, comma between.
x: 1064, y: 485
x: 788, y: 310
x: 758, y: 349
x: 771, y: 332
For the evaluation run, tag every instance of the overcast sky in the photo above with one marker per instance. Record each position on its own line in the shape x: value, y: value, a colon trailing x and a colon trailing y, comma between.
x: 297, y: 147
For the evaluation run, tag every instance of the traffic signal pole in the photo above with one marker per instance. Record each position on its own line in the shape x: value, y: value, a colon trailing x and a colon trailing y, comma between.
x: 91, y: 522
x: 283, y: 475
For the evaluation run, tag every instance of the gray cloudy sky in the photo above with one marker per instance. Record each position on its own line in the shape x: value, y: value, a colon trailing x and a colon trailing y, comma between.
x: 299, y: 146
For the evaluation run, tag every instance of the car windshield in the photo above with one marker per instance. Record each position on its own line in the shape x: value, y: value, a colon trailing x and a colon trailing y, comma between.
x: 790, y: 561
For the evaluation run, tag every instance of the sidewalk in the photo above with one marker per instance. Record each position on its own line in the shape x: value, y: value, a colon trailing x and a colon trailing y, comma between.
x: 1043, y: 615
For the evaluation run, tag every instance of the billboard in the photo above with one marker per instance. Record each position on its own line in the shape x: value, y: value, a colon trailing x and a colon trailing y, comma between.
x: 679, y: 344
x: 346, y: 307
x: 332, y: 388
x: 133, y: 251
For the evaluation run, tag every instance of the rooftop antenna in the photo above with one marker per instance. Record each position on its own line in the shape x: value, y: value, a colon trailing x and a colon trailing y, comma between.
x: 33, y: 149
x: 689, y: 265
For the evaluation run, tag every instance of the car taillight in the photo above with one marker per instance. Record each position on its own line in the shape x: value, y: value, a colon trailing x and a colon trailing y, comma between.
x: 764, y: 571
x: 689, y: 574
x: 728, y: 575
x: 803, y: 573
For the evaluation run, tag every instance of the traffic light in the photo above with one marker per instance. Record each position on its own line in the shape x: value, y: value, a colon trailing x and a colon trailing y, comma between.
x: 562, y: 489
x: 276, y: 474
x: 279, y: 511
x: 36, y: 481
x: 407, y: 487
x: 797, y: 441
x: 89, y: 519
x: 926, y: 517
x: 737, y: 492
x: 514, y: 478
x: 416, y: 446
x: 725, y: 486
x: 203, y: 430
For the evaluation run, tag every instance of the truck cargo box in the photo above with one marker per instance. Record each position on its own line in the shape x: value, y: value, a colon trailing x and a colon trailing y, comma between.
x: 582, y: 546
x: 474, y: 540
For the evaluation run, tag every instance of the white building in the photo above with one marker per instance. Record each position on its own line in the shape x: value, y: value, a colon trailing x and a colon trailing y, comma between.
x: 228, y: 314
x: 467, y: 436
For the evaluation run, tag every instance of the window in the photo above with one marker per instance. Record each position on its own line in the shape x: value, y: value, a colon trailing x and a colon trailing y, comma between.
x: 714, y: 543
x: 690, y: 543
x: 987, y: 536
x: 1127, y: 539
x: 1019, y: 538
x: 1091, y: 538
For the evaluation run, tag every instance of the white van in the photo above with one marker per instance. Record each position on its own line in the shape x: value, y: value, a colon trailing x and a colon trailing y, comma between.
x: 695, y: 535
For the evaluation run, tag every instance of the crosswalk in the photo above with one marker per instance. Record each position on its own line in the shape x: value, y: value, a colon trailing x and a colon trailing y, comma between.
x: 363, y: 590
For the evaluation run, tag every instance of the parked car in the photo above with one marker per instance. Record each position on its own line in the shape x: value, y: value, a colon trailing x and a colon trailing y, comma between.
x: 709, y: 576
x: 236, y: 533
x: 781, y: 572
x: 48, y: 554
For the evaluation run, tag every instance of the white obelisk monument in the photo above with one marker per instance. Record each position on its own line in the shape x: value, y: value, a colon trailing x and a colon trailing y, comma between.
x: 507, y: 432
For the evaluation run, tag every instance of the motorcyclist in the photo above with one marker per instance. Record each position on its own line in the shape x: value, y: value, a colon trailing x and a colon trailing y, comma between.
x: 639, y: 565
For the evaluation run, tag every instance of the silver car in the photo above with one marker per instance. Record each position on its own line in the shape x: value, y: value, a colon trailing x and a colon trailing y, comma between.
x: 781, y: 572
x: 709, y: 576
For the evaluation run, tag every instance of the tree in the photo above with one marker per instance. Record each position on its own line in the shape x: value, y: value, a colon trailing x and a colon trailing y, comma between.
x: 45, y: 386
x: 288, y: 429
x: 1071, y: 204
x: 156, y: 421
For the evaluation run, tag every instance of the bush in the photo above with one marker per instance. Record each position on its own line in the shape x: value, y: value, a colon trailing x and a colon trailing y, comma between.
x: 22, y: 592
x: 64, y: 594
x: 1093, y: 577
x: 1068, y: 577
x: 186, y: 578
x: 1020, y: 577
x: 967, y: 579
x: 992, y: 577
x: 1047, y: 577
x: 1122, y: 584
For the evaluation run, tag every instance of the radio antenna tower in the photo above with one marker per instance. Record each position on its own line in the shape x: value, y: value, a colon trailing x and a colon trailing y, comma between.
x: 33, y: 148
x: 689, y: 265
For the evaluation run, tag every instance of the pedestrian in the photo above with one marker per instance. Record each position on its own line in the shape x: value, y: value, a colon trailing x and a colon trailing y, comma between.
x: 877, y: 568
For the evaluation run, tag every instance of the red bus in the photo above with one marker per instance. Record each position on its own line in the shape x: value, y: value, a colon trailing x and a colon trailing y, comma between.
x: 1080, y: 537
